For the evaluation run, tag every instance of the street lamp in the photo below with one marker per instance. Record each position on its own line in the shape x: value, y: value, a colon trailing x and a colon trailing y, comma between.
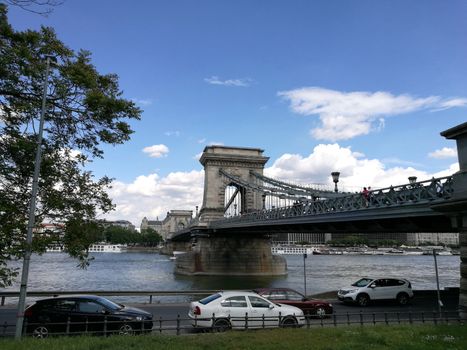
x: 235, y: 209
x: 412, y: 180
x: 335, y: 179
x: 32, y: 209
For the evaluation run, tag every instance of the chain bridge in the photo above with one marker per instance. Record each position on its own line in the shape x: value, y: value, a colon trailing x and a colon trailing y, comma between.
x: 242, y: 207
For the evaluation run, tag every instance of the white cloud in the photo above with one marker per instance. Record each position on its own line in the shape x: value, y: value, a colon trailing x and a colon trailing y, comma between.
x: 345, y: 115
x: 355, y: 170
x: 142, y: 102
x: 156, y: 151
x: 243, y: 82
x: 172, y: 133
x: 152, y: 196
x: 445, y: 152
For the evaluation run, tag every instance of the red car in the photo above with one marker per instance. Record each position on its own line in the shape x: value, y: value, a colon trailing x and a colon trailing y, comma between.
x: 289, y: 296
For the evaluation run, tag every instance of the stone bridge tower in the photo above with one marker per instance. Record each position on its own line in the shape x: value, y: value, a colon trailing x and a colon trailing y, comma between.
x: 237, y: 252
x: 236, y: 161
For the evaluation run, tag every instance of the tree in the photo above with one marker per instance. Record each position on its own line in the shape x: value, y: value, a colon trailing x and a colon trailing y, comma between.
x: 84, y: 110
x: 42, y: 7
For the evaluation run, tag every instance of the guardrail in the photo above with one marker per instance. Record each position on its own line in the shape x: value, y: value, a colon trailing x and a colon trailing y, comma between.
x: 150, y: 294
x: 180, y: 325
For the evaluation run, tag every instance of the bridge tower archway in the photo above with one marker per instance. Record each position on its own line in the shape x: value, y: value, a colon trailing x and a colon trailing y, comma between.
x: 237, y: 161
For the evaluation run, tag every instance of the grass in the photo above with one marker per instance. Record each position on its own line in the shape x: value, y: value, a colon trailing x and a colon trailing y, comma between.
x: 422, y: 337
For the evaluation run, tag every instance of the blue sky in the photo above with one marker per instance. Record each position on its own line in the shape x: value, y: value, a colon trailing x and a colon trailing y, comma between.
x: 361, y: 87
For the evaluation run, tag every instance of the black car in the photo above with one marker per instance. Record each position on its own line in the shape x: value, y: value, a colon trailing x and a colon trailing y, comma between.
x: 88, y: 314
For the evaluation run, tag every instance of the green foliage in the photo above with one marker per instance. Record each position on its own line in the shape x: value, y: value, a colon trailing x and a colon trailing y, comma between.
x: 84, y: 110
x: 120, y: 235
x: 408, y: 337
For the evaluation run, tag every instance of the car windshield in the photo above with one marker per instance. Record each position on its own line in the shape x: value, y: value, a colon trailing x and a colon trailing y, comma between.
x: 109, y: 304
x: 210, y: 298
x: 363, y: 282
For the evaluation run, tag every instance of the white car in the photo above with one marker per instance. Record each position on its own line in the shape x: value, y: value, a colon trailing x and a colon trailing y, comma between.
x: 367, y: 289
x: 242, y: 310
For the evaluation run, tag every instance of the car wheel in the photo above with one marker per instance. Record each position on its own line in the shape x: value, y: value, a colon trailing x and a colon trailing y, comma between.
x: 289, y: 322
x: 402, y: 299
x: 40, y: 332
x: 321, y: 312
x: 363, y: 300
x: 221, y: 325
x: 126, y: 329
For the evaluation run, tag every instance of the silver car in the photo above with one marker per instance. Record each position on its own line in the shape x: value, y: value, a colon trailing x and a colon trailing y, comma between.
x: 367, y: 289
x: 242, y: 310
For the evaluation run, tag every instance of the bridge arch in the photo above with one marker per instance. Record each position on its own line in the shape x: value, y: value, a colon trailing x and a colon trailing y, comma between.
x: 238, y: 161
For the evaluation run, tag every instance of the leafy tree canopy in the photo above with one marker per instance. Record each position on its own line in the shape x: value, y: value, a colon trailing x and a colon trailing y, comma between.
x: 84, y: 110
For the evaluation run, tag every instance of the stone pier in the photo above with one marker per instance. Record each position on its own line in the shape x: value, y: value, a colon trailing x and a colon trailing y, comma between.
x: 456, y: 208
x: 235, y: 255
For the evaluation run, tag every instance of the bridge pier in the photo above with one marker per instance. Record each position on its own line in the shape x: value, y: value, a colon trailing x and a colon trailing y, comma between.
x: 235, y: 255
x: 456, y: 207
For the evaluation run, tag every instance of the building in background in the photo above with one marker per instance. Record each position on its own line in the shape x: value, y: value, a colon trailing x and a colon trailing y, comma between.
x: 120, y: 223
x: 155, y: 225
x: 174, y: 221
x: 433, y: 238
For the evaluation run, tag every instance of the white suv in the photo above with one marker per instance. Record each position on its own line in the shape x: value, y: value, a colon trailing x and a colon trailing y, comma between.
x: 367, y: 289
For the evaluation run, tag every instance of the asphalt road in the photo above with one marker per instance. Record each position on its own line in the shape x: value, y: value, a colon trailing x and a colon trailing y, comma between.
x: 173, y: 318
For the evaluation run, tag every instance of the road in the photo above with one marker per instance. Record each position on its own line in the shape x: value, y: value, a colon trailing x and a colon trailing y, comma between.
x: 173, y: 318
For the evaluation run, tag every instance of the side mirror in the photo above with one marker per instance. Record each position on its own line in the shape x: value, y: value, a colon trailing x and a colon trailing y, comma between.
x: 373, y: 285
x: 271, y: 306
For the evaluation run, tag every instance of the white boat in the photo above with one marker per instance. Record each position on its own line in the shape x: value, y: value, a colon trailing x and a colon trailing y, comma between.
x: 94, y: 248
x: 294, y: 250
x: 106, y: 248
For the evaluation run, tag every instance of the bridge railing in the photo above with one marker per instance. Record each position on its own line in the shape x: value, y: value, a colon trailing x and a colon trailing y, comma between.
x: 182, y: 325
x: 407, y: 194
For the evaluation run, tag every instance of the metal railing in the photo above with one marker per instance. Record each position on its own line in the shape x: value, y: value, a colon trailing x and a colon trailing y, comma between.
x: 128, y: 293
x: 424, y: 192
x: 180, y: 325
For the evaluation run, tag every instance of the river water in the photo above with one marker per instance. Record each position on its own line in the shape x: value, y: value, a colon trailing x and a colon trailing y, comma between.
x: 145, y: 271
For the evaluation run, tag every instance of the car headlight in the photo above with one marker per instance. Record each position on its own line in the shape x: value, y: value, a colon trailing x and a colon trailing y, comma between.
x: 138, y: 318
x: 352, y: 291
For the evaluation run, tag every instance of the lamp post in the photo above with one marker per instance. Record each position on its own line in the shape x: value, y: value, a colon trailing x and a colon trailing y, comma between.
x: 335, y: 179
x: 412, y: 180
x: 32, y: 210
x: 235, y: 209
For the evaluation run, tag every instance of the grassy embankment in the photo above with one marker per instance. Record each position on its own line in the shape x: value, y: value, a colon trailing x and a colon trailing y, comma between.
x: 422, y: 337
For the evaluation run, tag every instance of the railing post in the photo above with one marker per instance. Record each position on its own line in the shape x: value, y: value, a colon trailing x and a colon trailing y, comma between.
x: 160, y: 324
x: 410, y: 317
x: 246, y: 320
x: 435, y: 318
x: 3, y: 300
x: 67, y: 326
x: 386, y: 318
x: 348, y: 318
x: 150, y: 299
x: 263, y: 320
x: 178, y: 324
x: 361, y: 318
x: 374, y: 319
x: 86, y: 325
x: 423, y: 317
x: 334, y: 319
x: 105, y: 325
x: 398, y: 318
x: 5, y: 326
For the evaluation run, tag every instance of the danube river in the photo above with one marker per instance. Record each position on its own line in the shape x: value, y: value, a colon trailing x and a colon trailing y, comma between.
x: 151, y: 271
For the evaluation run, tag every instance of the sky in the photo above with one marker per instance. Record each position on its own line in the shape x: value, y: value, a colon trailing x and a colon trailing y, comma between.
x: 359, y: 87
